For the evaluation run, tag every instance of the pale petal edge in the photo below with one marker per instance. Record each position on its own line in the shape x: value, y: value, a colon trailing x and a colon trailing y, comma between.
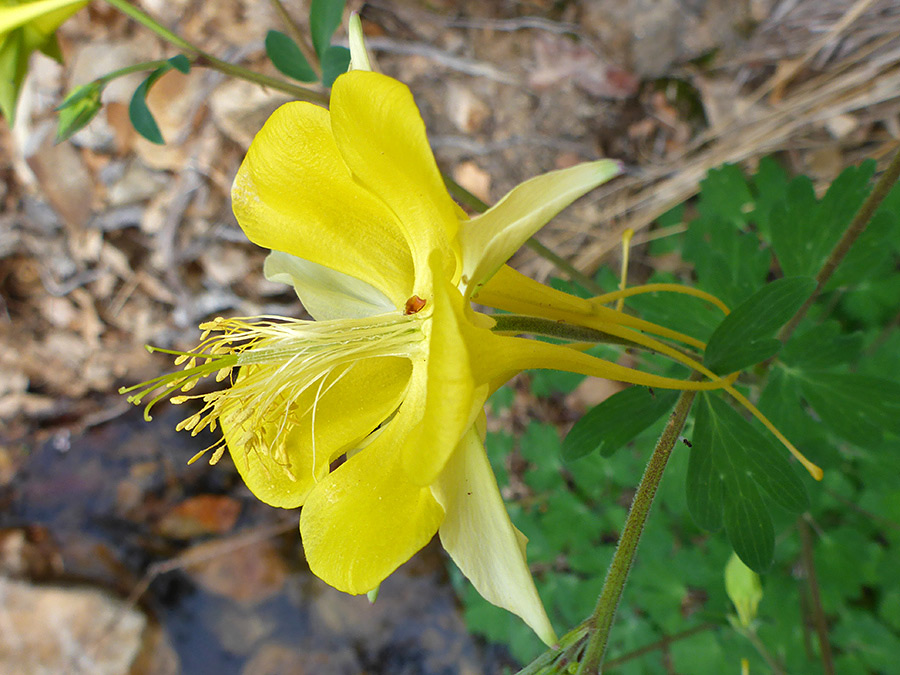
x: 481, y: 539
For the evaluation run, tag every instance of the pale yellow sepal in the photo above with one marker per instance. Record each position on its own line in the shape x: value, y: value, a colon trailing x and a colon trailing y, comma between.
x: 326, y: 293
x: 359, y: 55
x: 488, y: 240
x: 481, y: 539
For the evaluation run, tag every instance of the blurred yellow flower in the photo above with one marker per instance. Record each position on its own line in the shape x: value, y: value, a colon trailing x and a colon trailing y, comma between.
x: 25, y: 26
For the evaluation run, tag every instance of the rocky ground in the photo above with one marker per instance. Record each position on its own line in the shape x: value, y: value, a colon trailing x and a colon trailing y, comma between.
x: 109, y: 242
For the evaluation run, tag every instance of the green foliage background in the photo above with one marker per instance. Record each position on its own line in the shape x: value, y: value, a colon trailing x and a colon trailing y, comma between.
x: 832, y: 390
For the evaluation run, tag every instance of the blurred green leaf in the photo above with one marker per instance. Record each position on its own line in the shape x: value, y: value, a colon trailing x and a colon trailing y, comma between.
x: 870, y: 640
x: 745, y: 336
x: 78, y: 109
x: 615, y: 421
x: 140, y: 115
x: 859, y: 408
x: 781, y: 402
x: 804, y: 230
x: 324, y: 18
x: 285, y: 55
x: 871, y: 255
x: 335, y: 62
x: 770, y: 185
x: 181, y: 63
x: 725, y: 196
x: 822, y: 346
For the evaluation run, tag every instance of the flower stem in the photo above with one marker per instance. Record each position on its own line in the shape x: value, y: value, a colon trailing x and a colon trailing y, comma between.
x: 532, y: 325
x: 127, y: 70
x: 818, y: 612
x: 201, y: 58
x: 474, y: 203
x: 856, y: 227
x: 601, y: 620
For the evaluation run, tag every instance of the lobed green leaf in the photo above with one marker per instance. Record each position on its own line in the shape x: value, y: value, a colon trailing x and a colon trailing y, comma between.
x: 615, y: 421
x: 745, y: 336
x: 858, y: 408
x: 730, y: 463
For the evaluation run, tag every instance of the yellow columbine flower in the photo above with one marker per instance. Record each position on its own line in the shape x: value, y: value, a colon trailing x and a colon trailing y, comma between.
x: 24, y: 27
x: 391, y: 377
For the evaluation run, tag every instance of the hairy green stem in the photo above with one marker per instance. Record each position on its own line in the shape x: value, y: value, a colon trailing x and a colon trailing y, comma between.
x: 201, y: 58
x: 601, y: 620
x: 856, y: 227
x: 567, y: 649
x: 474, y: 203
x: 520, y: 323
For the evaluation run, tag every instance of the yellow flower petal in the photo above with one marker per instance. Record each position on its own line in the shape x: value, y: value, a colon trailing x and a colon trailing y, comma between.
x: 382, y: 139
x: 488, y: 240
x: 24, y: 28
x: 349, y: 407
x: 365, y: 519
x: 444, y: 389
x: 293, y: 193
x: 46, y: 15
x: 481, y: 539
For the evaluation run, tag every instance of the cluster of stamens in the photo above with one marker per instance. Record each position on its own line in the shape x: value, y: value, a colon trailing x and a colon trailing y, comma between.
x: 280, y: 359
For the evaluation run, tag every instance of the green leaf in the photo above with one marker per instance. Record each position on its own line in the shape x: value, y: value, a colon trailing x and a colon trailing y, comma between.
x: 745, y: 336
x: 181, y: 63
x: 822, y: 346
x: 287, y: 57
x: 804, y: 231
x: 78, y: 109
x: 704, y: 483
x: 540, y: 446
x: 729, y: 263
x: 615, y: 421
x: 858, y: 408
x: 730, y: 462
x: 782, y: 403
x: 324, y: 18
x: 871, y: 254
x: 770, y: 183
x: 749, y: 525
x: 725, y: 196
x: 139, y: 113
x: 335, y: 62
